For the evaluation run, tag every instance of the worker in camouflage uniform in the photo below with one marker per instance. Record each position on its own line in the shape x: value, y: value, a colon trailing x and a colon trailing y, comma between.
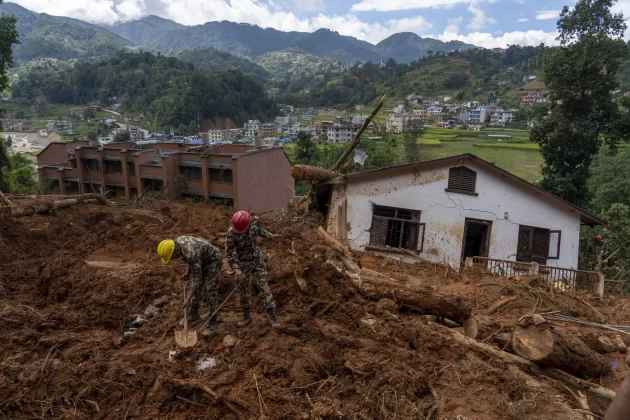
x: 244, y: 257
x: 204, y: 267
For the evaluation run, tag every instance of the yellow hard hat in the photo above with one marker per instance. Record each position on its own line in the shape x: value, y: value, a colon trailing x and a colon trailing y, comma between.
x: 165, y: 250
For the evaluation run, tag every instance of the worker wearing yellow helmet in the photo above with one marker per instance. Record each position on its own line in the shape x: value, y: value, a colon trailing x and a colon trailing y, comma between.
x: 204, y: 268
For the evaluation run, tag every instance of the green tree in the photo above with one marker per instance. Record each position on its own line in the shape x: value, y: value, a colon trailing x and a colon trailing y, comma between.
x: 92, y: 136
x: 610, y: 180
x: 581, y: 75
x: 8, y: 37
x: 305, y: 148
x: 122, y: 136
x: 6, y: 167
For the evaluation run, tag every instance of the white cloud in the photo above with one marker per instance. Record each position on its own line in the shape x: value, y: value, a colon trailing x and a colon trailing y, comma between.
x: 487, y: 40
x: 519, y: 1
x: 390, y: 5
x: 266, y: 15
x: 523, y: 20
x: 310, y: 5
x: 479, y: 20
x: 416, y: 24
x: 547, y: 14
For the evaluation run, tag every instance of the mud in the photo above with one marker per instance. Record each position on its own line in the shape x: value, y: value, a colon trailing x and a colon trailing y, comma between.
x: 70, y: 284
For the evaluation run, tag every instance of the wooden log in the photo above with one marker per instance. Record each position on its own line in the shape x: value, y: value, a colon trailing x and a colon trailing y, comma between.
x: 52, y: 207
x: 345, y: 255
x: 603, y: 342
x: 424, y: 300
x: 530, y: 366
x: 4, y: 200
x: 313, y: 173
x: 500, y: 304
x: 551, y: 348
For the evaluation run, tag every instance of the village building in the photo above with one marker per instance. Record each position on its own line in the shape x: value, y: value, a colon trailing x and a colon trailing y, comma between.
x: 252, y: 179
x: 450, y: 209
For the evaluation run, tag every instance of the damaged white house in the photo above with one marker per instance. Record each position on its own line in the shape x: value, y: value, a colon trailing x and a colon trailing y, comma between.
x: 449, y: 209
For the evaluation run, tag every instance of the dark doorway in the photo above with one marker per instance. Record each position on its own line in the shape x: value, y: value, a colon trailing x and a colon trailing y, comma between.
x: 476, y: 238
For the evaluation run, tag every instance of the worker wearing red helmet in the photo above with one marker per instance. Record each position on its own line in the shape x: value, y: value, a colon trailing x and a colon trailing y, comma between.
x: 244, y: 257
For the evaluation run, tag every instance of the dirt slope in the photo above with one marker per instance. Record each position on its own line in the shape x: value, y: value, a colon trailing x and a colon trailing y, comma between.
x: 70, y: 284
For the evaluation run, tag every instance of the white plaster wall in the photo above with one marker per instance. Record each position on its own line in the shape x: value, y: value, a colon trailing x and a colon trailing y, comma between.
x: 444, y: 213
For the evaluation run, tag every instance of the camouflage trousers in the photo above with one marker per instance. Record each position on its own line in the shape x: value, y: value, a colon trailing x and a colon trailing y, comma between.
x: 259, y: 272
x: 210, y: 283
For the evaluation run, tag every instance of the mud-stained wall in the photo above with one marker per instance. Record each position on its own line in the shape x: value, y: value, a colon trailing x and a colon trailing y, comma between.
x: 444, y: 213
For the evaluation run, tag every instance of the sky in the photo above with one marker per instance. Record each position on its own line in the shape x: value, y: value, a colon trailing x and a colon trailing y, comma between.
x: 485, y: 23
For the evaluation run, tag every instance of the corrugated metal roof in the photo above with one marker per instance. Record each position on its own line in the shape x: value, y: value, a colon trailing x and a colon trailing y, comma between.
x: 221, y: 195
x: 89, y: 156
x: 147, y: 176
x: 190, y: 163
x: 108, y: 157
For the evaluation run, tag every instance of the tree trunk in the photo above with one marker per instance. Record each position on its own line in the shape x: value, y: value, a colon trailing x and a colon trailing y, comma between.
x: 52, y: 207
x: 603, y: 342
x: 424, y: 300
x: 527, y: 365
x: 550, y: 348
x: 313, y: 173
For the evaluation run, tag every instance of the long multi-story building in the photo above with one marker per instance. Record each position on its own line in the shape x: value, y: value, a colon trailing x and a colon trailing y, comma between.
x: 252, y: 179
x: 269, y: 129
x: 398, y: 122
x: 499, y: 117
x: 219, y: 135
x: 340, y: 132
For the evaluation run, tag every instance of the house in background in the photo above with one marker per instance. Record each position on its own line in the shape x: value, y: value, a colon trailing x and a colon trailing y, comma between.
x: 449, y: 209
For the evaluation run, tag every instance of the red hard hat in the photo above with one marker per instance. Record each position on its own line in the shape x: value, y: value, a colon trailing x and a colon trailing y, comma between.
x: 598, y: 238
x: 241, y: 221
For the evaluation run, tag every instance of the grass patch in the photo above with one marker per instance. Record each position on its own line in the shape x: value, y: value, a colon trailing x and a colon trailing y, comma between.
x: 429, y: 141
x: 530, y: 147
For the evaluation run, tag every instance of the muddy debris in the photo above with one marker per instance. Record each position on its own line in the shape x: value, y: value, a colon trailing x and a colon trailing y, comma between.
x: 338, y: 354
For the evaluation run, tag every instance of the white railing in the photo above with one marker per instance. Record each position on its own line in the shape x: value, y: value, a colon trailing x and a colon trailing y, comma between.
x: 566, y: 279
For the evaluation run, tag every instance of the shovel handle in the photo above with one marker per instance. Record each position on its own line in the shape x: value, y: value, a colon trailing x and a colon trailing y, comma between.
x: 185, y: 314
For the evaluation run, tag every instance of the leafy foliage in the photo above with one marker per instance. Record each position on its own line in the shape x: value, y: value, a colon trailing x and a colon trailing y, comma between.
x: 214, y: 61
x: 43, y: 35
x: 610, y: 180
x: 169, y: 91
x: 23, y: 175
x: 6, y: 166
x: 581, y: 76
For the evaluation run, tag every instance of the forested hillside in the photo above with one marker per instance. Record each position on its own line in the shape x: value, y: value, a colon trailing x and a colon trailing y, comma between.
x: 164, y: 89
x: 42, y: 35
x: 214, y: 61
x: 479, y: 73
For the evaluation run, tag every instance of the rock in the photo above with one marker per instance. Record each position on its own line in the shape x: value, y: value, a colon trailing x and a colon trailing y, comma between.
x: 206, y: 363
x: 384, y: 306
x: 229, y: 341
x: 161, y: 301
x: 151, y: 310
x: 136, y: 321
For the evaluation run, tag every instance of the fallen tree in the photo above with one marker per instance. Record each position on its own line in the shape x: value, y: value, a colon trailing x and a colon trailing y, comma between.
x: 535, y: 340
x: 375, y: 286
x: 53, y: 206
x: 530, y: 366
x: 313, y: 173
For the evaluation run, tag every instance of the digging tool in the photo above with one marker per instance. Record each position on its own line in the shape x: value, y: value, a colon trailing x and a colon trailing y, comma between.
x: 246, y: 278
x: 185, y: 338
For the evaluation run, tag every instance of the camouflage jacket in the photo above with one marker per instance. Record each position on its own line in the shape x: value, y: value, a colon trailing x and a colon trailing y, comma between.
x: 243, y: 247
x: 197, y: 253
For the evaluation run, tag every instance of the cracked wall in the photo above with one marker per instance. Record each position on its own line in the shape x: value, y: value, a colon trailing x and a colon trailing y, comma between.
x: 444, y: 213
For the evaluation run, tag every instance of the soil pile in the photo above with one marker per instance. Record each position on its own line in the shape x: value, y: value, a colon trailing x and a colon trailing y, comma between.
x: 71, y: 285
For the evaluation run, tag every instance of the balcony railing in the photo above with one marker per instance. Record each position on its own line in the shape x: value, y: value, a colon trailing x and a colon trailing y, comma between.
x: 565, y: 279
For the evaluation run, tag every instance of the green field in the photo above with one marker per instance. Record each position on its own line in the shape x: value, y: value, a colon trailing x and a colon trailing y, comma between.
x: 429, y: 141
x: 528, y: 147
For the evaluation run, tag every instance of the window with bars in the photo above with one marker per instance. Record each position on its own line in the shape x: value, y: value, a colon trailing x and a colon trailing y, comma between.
x: 462, y: 180
x: 537, y: 245
x: 223, y: 176
x: 396, y: 228
x: 91, y: 165
x: 112, y: 167
x: 191, y: 174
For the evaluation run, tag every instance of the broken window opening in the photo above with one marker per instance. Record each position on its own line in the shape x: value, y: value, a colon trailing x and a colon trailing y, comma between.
x: 537, y: 245
x: 91, y: 165
x: 396, y: 228
x: 223, y: 176
x: 191, y: 174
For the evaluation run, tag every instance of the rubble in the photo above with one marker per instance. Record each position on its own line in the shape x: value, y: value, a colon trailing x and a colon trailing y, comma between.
x: 63, y: 320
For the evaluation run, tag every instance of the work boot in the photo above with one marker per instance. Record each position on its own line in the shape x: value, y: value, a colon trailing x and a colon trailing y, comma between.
x: 247, y: 318
x: 211, y: 328
x: 191, y: 317
x: 273, y: 318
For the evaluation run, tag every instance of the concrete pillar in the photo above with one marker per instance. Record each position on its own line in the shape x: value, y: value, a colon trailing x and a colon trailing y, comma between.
x: 125, y: 172
x: 235, y: 181
x: 62, y: 186
x: 205, y: 177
